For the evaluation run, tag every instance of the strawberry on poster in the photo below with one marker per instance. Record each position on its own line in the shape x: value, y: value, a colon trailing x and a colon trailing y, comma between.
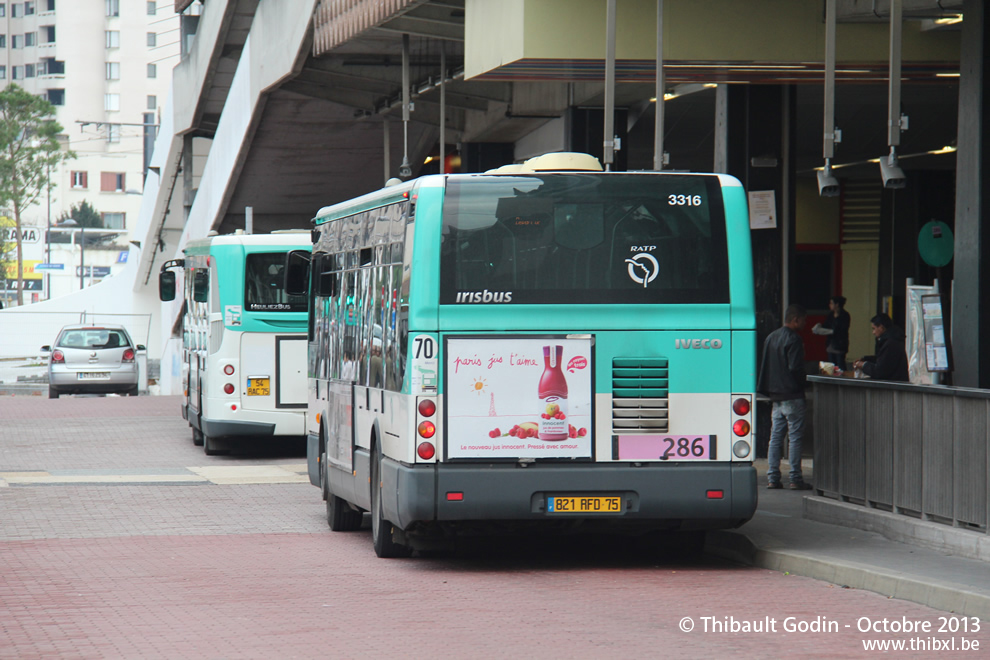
x: 504, y: 394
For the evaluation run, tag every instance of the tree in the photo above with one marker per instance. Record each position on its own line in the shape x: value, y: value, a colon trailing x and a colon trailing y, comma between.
x: 29, y: 150
x: 84, y: 214
x: 6, y: 250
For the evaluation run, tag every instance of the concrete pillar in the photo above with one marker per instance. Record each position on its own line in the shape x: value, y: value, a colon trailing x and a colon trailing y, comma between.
x: 760, y: 152
x: 970, y: 313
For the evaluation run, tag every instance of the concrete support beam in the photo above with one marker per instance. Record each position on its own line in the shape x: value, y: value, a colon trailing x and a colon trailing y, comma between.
x: 970, y: 313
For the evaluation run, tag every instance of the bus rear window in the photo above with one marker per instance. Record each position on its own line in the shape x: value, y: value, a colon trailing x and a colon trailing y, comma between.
x: 584, y: 238
x: 263, y: 290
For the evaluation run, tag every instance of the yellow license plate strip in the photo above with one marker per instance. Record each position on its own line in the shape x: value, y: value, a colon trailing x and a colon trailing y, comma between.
x: 258, y: 387
x: 578, y: 504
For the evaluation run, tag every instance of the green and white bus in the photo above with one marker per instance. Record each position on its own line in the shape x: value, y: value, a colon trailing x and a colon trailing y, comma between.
x: 243, y: 338
x: 562, y: 349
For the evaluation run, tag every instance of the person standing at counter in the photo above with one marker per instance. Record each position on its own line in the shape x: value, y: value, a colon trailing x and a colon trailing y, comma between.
x: 890, y: 362
x: 782, y: 378
x: 836, y: 326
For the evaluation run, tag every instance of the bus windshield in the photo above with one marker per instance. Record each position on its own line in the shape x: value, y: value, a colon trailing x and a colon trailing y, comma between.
x: 579, y: 238
x: 263, y: 290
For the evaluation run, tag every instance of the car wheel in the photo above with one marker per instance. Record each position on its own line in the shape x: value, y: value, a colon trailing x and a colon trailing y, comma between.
x: 197, y: 437
x: 212, y: 447
x: 133, y: 391
x: 52, y: 393
x: 381, y: 529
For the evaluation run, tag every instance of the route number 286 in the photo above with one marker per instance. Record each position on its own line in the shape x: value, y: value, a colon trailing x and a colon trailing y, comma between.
x: 684, y: 200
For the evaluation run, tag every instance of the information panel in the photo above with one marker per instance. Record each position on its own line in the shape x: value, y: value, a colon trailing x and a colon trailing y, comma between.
x: 936, y: 346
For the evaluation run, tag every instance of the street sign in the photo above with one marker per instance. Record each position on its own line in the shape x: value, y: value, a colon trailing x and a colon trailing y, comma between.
x: 49, y: 267
x: 93, y: 271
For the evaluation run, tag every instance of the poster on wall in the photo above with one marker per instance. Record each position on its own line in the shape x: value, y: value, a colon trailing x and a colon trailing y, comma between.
x: 518, y: 398
x: 762, y: 209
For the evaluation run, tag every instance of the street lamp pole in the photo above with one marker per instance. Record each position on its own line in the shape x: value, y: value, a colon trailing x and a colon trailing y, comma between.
x: 82, y: 257
x: 48, y: 234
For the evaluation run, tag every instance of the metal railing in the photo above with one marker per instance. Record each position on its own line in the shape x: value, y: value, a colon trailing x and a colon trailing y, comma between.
x: 916, y: 450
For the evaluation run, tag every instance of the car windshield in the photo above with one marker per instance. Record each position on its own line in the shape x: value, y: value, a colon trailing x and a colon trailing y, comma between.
x: 93, y: 338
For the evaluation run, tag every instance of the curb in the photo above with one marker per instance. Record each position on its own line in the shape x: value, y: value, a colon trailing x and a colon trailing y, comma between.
x: 739, y: 548
x: 942, y: 538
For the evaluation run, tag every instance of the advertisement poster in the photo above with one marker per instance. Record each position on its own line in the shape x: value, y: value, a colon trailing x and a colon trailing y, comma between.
x: 518, y: 398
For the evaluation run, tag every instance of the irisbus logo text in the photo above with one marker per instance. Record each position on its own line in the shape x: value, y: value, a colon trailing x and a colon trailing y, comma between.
x: 697, y: 343
x: 485, y: 296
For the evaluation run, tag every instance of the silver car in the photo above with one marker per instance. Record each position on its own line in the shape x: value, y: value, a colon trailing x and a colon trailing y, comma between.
x: 90, y: 359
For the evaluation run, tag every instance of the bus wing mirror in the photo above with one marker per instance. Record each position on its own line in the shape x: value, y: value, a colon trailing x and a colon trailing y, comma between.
x: 297, y: 272
x: 166, y: 285
x: 201, y: 286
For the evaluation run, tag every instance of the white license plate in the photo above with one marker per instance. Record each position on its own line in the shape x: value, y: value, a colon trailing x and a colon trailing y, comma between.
x: 93, y: 375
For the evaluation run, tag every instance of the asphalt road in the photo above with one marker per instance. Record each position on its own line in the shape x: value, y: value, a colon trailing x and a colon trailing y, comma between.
x: 120, y: 539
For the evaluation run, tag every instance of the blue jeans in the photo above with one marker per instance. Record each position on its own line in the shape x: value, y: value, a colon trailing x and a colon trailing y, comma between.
x: 788, y: 417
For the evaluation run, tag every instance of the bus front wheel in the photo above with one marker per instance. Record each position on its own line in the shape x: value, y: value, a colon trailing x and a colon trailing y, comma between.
x: 381, y: 529
x: 340, y: 516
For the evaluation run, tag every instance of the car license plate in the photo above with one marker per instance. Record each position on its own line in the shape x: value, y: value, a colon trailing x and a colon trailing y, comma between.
x: 572, y: 504
x: 258, y: 387
x: 93, y: 375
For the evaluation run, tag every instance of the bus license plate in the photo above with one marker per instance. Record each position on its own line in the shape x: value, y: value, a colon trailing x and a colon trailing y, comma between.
x: 584, y: 505
x: 258, y: 387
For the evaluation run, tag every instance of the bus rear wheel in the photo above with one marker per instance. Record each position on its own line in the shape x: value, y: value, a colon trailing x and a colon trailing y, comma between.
x: 381, y: 529
x: 197, y: 437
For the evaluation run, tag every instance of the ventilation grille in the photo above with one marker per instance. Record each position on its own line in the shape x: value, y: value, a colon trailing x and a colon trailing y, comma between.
x: 639, y: 395
x: 216, y: 336
x: 861, y: 211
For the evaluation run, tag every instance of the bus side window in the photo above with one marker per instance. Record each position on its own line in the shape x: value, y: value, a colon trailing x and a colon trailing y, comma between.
x: 201, y: 285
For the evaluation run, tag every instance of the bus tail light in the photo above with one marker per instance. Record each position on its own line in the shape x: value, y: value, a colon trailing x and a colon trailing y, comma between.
x: 228, y: 388
x: 229, y: 370
x: 427, y: 421
x: 58, y: 357
x: 742, y: 424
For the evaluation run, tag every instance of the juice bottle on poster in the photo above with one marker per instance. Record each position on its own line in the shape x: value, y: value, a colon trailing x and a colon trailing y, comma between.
x: 553, y: 396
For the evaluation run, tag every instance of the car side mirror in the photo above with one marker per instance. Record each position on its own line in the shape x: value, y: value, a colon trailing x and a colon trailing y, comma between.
x: 201, y: 286
x: 166, y: 285
x: 141, y: 347
x: 46, y: 348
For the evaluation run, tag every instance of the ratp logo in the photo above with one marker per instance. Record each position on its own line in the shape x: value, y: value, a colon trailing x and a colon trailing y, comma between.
x: 643, y: 268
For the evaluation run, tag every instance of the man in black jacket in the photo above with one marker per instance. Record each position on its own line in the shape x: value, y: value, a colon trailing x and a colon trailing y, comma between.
x: 782, y: 379
x: 890, y: 362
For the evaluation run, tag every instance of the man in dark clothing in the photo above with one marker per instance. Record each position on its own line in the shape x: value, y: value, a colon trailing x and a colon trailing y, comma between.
x: 782, y: 379
x: 890, y: 362
x: 836, y: 326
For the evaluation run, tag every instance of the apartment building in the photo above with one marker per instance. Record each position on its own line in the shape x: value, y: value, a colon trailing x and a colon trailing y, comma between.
x: 106, y: 66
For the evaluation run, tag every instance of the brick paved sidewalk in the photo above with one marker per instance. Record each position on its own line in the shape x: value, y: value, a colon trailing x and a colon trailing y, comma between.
x: 216, y: 570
